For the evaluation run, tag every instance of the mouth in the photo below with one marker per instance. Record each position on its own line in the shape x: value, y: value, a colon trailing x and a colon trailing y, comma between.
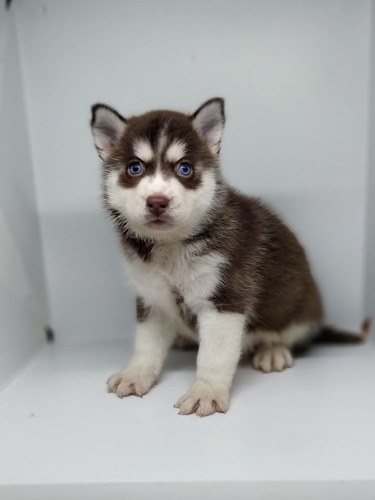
x: 158, y: 224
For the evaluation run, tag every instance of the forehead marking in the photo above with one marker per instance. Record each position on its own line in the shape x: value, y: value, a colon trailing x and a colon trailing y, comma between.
x: 162, y: 140
x: 143, y: 150
x: 175, y: 151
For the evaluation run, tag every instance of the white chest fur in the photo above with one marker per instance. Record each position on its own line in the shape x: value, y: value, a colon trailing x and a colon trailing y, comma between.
x: 177, y: 268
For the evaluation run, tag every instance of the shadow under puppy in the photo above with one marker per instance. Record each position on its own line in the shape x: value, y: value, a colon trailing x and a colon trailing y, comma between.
x: 207, y: 262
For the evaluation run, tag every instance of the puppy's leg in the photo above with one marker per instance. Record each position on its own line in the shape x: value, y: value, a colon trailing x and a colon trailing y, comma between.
x: 153, y: 338
x: 218, y: 355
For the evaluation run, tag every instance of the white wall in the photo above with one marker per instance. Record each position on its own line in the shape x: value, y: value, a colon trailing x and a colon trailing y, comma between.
x: 370, y: 220
x: 23, y: 308
x: 295, y: 76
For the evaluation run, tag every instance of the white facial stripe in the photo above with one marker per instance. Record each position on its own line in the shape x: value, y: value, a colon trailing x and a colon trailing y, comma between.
x: 156, y: 184
x: 175, y: 152
x: 161, y: 142
x: 143, y: 150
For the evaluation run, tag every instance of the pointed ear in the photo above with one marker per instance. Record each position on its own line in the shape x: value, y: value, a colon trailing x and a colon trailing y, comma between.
x: 107, y: 126
x: 209, y: 121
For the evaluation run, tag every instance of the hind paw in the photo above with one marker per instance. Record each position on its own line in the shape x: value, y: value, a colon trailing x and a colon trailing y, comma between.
x: 274, y: 358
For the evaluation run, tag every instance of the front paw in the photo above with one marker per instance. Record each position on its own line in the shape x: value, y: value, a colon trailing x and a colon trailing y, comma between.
x: 132, y: 381
x: 203, y: 399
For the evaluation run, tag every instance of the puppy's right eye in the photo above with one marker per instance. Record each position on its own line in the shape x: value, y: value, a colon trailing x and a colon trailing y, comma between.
x: 135, y: 168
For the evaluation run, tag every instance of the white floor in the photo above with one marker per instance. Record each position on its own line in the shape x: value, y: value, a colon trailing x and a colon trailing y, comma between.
x: 308, y: 431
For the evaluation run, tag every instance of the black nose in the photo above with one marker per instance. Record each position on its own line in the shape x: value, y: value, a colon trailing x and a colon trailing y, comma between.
x: 157, y: 204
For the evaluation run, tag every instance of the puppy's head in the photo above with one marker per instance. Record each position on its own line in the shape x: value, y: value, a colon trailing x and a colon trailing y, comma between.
x: 160, y: 169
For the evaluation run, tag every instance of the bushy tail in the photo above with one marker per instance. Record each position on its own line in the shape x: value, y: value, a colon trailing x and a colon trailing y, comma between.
x: 333, y: 335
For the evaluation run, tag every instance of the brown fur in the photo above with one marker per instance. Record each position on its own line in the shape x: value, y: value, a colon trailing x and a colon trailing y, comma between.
x: 151, y: 126
x: 267, y: 276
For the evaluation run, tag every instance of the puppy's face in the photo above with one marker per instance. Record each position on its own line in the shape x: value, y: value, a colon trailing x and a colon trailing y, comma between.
x: 160, y: 168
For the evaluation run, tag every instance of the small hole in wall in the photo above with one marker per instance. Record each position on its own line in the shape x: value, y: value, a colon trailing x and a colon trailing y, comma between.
x: 50, y: 334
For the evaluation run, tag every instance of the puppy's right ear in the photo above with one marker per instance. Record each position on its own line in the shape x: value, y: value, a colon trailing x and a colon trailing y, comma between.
x: 107, y: 126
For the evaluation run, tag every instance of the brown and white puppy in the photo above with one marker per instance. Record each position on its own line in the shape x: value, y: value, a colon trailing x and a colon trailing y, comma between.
x: 207, y: 262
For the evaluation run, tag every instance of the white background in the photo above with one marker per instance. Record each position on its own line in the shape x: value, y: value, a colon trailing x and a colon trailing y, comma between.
x: 370, y: 219
x: 23, y: 305
x: 295, y: 76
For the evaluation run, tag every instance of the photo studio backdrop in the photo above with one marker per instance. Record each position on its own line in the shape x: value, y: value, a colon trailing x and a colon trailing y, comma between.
x: 298, y: 80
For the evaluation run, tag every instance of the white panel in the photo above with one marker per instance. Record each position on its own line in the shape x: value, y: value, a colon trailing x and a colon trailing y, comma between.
x: 23, y: 310
x: 295, y: 77
x: 261, y: 490
x: 370, y: 247
x: 314, y: 422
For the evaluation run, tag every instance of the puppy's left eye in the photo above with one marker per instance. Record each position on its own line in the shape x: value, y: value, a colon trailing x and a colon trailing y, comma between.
x: 184, y: 169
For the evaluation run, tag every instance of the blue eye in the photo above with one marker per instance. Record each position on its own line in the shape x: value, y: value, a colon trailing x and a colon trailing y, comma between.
x: 135, y: 168
x: 184, y: 169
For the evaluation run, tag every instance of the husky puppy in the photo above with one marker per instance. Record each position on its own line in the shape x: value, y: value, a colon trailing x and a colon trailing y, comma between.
x: 207, y: 262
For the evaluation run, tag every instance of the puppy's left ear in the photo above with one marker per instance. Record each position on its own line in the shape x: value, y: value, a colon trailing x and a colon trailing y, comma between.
x: 209, y: 121
x: 107, y: 126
